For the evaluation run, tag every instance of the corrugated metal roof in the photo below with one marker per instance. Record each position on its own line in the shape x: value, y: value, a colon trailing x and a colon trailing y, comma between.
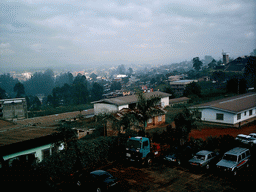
x: 18, y: 134
x: 232, y: 104
x: 132, y: 98
x: 33, y: 128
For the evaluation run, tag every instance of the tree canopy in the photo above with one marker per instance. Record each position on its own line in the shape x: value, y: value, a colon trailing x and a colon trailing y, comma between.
x: 197, y: 64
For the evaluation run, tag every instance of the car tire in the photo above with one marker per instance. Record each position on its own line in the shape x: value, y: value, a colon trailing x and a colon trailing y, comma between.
x: 149, y: 161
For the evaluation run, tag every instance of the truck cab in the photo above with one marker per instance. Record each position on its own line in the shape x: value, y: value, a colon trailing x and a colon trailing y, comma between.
x: 137, y: 148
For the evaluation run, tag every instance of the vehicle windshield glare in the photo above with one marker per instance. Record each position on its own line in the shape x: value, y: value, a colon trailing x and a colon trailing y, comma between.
x: 133, y: 144
x: 201, y: 157
x: 230, y: 157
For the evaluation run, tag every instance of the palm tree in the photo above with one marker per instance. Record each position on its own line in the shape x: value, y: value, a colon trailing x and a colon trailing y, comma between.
x: 146, y: 109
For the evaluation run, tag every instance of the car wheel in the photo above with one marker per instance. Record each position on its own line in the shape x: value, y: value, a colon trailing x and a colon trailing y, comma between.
x: 149, y: 161
x: 98, y: 189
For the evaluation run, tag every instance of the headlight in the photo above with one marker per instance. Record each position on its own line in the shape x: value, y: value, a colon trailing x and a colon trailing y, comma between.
x: 137, y: 150
x: 127, y: 149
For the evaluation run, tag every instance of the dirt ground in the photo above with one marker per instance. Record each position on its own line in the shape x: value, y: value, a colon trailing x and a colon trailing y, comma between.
x: 212, y: 131
x: 166, y: 177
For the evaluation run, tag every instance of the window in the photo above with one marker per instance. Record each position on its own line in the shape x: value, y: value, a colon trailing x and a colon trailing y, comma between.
x: 245, y: 113
x: 250, y: 112
x: 219, y: 116
x: 238, y: 116
x: 159, y: 118
x: 145, y: 144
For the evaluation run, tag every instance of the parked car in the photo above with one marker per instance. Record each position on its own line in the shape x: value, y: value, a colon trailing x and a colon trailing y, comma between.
x: 97, y: 181
x: 234, y: 159
x: 246, y: 139
x: 253, y: 135
x: 179, y: 155
x: 204, y: 158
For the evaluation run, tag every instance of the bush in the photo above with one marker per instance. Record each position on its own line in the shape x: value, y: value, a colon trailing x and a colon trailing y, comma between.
x: 82, y: 154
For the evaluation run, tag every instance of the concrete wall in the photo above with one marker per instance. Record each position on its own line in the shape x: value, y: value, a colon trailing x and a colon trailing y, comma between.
x: 104, y: 108
x: 245, y: 115
x: 164, y: 101
x: 38, y: 151
x: 210, y: 115
x: 13, y: 108
x: 123, y: 106
x: 228, y: 118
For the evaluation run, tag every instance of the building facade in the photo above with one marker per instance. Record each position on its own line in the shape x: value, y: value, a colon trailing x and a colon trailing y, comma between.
x: 233, y: 111
x: 116, y: 104
x: 178, y: 87
x: 13, y: 108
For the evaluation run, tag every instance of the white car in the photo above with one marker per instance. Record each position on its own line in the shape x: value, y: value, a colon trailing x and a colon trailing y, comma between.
x: 246, y: 139
x: 253, y: 135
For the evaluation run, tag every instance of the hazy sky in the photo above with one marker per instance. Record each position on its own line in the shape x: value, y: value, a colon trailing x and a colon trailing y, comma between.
x: 82, y: 32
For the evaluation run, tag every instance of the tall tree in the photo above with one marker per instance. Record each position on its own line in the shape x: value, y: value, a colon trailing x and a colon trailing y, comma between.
x: 121, y: 69
x: 236, y: 85
x: 40, y: 83
x: 146, y: 109
x: 212, y: 64
x: 250, y: 69
x: 197, y: 64
x: 253, y: 53
x: 80, y: 90
x: 65, y: 78
x: 19, y: 89
x: 97, y: 91
x: 184, y: 122
x: 2, y: 93
x: 192, y: 89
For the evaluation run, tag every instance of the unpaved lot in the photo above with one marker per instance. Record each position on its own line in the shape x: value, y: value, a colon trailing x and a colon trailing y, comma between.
x: 166, y: 177
x: 213, y: 131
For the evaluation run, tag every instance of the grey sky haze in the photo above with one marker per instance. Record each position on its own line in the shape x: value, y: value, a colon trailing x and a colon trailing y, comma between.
x: 82, y: 32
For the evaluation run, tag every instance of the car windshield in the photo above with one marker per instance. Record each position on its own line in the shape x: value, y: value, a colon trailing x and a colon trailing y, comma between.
x: 230, y: 157
x: 103, y: 176
x: 133, y: 144
x: 201, y: 157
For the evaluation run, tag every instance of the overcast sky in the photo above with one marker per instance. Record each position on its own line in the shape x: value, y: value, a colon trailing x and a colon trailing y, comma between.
x: 82, y: 32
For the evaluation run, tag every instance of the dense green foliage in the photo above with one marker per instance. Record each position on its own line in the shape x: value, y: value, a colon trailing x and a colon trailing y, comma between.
x: 81, y: 154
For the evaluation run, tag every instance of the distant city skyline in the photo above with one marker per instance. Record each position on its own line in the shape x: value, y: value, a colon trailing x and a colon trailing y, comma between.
x: 83, y: 34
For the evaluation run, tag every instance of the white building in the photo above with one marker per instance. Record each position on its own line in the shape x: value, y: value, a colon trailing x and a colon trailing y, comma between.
x: 178, y: 87
x: 232, y: 111
x: 118, y: 103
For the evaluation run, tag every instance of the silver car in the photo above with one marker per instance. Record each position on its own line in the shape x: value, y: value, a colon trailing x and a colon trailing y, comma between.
x: 234, y: 160
x: 203, y: 158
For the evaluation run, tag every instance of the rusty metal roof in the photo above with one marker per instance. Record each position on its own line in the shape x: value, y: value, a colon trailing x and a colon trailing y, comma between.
x: 34, y: 128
